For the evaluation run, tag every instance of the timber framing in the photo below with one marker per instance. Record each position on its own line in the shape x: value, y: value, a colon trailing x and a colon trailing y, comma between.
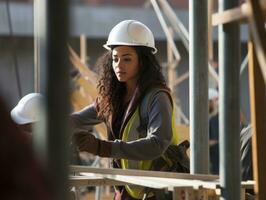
x: 184, y: 186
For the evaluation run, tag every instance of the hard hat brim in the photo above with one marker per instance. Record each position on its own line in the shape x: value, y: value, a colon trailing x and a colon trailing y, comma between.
x: 108, y: 46
x: 18, y: 118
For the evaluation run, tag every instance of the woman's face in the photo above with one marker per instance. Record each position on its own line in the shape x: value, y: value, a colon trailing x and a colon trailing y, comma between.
x: 125, y: 64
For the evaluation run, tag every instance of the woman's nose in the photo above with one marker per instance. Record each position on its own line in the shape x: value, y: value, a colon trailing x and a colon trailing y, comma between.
x: 118, y: 64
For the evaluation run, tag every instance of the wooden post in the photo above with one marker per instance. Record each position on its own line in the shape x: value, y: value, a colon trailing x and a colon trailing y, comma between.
x: 83, y: 49
x: 201, y: 194
x: 172, y: 75
x: 183, y: 193
x: 258, y: 121
x: 242, y: 193
x: 210, y: 43
x: 171, y: 65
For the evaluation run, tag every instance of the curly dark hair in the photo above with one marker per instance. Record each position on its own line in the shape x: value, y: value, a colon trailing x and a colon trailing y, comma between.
x: 111, y: 91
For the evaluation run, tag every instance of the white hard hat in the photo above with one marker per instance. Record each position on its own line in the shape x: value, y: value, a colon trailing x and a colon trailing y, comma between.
x: 28, y: 109
x: 213, y: 93
x: 131, y: 33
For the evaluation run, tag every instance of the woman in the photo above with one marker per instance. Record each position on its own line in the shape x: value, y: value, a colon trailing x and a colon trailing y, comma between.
x: 130, y: 74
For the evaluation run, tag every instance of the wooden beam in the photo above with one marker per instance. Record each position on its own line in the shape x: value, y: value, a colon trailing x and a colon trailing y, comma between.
x: 131, y: 172
x: 183, y: 193
x: 82, y: 68
x: 83, y: 49
x: 143, y: 181
x: 168, y: 35
x: 178, y: 186
x: 179, y: 28
x: 234, y: 14
x: 176, y: 23
x: 93, y: 181
x: 87, y: 90
x: 258, y: 121
x: 257, y: 27
x: 210, y: 31
x: 184, y: 76
x: 171, y: 69
x: 181, y: 78
x: 157, y: 182
x: 230, y: 15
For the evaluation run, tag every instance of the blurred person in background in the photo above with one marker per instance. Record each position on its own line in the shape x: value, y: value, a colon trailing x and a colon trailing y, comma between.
x: 27, y: 112
x: 213, y: 130
x: 23, y: 177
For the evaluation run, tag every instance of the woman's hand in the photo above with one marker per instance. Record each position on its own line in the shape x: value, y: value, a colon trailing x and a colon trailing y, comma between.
x: 86, y: 141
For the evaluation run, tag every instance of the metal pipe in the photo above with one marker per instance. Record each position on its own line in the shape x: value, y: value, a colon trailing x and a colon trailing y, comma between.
x: 229, y: 109
x: 198, y: 86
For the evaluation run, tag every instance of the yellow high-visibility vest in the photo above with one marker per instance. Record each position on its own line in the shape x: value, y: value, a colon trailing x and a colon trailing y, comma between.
x: 131, y: 133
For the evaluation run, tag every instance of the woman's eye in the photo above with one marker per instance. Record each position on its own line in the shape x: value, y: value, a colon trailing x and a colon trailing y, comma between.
x: 127, y: 59
x: 115, y: 59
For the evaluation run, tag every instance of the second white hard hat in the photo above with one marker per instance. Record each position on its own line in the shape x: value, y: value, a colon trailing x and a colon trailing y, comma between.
x: 131, y: 33
x: 28, y: 109
x: 213, y: 93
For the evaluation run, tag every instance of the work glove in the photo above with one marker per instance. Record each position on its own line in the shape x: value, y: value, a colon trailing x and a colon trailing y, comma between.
x: 85, y: 141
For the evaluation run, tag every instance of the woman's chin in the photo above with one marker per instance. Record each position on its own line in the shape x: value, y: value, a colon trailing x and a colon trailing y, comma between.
x: 121, y: 79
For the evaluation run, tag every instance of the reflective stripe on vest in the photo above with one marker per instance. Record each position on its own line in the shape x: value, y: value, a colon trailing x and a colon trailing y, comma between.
x: 131, y: 133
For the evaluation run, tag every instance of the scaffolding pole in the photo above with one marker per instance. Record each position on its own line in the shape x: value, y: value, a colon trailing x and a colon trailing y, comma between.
x: 198, y: 86
x: 229, y: 109
x: 50, y: 139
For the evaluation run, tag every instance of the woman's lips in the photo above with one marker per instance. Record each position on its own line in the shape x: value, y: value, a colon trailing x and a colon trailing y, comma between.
x: 121, y: 73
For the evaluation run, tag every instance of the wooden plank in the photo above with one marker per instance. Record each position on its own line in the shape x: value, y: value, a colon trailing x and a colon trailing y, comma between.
x: 156, y: 182
x: 93, y: 181
x: 235, y: 14
x: 247, y: 184
x: 242, y: 194
x: 230, y: 15
x: 171, y: 69
x: 257, y: 27
x: 213, y: 194
x: 90, y: 89
x: 131, y: 172
x: 175, y: 22
x: 180, y: 193
x: 179, y: 28
x: 183, y: 133
x: 185, y: 75
x: 201, y: 194
x: 168, y: 35
x: 181, y: 78
x: 87, y: 91
x: 151, y: 183
x: 83, y: 49
x: 258, y: 122
x: 82, y: 68
x: 210, y: 30
x: 181, y: 188
x: 170, y: 183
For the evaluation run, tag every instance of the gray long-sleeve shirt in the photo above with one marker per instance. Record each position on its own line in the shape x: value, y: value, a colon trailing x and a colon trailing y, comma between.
x: 159, y: 130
